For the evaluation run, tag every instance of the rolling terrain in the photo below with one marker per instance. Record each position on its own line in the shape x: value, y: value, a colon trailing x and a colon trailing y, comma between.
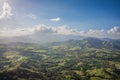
x: 86, y: 59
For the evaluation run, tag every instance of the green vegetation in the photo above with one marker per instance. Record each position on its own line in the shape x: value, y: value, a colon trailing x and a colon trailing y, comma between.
x: 69, y: 60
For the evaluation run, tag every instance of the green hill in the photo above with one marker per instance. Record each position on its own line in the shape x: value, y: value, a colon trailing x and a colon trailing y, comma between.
x: 86, y: 59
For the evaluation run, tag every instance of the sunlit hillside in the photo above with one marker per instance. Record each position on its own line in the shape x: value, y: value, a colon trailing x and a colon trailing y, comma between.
x: 59, y: 39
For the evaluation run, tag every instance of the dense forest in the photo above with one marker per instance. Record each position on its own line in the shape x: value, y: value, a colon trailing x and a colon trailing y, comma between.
x: 86, y: 59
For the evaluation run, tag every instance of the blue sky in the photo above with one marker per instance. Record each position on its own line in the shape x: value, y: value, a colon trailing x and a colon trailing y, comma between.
x: 79, y: 14
x: 92, y: 18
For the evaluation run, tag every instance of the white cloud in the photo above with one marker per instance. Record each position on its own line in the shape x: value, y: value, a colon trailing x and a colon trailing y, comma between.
x: 6, y: 11
x: 32, y: 16
x: 111, y: 33
x: 65, y: 30
x: 37, y: 29
x: 114, y: 30
x: 42, y: 29
x: 55, y: 19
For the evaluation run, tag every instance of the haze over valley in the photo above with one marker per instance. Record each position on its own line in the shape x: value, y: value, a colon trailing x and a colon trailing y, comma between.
x: 59, y: 40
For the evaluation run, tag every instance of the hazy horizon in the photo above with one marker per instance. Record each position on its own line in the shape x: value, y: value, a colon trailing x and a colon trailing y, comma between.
x: 96, y: 18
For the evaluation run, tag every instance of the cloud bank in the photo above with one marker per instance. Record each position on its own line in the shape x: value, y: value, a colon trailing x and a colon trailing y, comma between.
x: 64, y: 30
x: 6, y: 11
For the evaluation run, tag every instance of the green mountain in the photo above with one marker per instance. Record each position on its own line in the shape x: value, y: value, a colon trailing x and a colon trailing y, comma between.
x: 91, y: 43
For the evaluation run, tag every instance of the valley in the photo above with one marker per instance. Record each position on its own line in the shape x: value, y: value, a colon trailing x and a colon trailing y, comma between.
x: 68, y: 60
